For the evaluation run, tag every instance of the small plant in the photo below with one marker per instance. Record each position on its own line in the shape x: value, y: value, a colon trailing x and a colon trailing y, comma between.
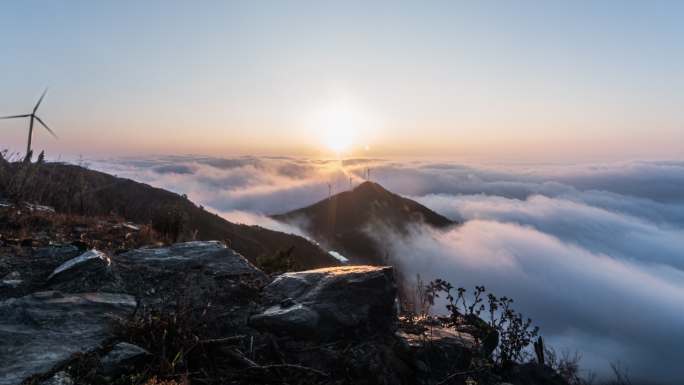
x: 506, y: 332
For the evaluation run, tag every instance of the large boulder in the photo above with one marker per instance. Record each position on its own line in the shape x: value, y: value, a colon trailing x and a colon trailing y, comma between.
x: 330, y: 303
x: 212, y: 256
x: 41, y: 331
x: 195, y: 272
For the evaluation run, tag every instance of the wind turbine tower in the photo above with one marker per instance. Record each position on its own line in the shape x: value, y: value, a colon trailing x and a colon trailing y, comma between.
x: 32, y: 116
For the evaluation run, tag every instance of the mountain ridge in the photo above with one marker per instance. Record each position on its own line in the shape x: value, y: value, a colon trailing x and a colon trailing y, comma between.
x: 74, y: 189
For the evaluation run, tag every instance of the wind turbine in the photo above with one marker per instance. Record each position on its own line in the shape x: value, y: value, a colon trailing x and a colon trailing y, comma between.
x: 33, y: 116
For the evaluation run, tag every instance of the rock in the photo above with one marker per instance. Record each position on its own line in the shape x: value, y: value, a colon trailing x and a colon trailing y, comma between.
x: 214, y: 256
x: 438, y: 350
x: 123, y: 358
x: 298, y: 319
x: 12, y: 280
x: 42, y: 330
x: 127, y: 225
x: 346, y: 301
x: 90, y: 271
x: 196, y: 271
x: 90, y: 262
x: 59, y: 378
x: 37, y: 207
x: 483, y: 331
x: 438, y: 335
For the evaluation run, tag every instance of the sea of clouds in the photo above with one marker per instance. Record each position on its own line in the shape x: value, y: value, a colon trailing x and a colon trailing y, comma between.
x: 594, y: 253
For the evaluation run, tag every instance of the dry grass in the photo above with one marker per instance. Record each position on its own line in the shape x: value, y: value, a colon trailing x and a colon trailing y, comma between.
x: 18, y: 224
x: 173, y: 335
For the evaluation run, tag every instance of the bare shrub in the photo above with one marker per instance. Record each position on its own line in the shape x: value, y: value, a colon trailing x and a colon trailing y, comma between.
x: 507, y: 330
x: 621, y: 374
x: 567, y: 365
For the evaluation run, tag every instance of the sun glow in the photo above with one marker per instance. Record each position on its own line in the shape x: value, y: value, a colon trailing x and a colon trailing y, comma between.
x: 339, y: 126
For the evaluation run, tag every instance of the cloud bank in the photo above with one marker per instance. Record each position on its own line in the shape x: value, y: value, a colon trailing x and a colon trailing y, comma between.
x: 593, y: 253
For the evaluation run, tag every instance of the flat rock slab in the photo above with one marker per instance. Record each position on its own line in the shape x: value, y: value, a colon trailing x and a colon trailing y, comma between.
x: 330, y: 303
x: 42, y: 330
x: 211, y: 255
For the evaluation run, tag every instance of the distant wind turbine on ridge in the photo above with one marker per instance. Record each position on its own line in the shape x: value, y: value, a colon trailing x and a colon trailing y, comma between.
x: 32, y: 117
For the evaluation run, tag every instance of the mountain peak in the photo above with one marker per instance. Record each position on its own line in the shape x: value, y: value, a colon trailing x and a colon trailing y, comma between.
x: 342, y: 222
x: 369, y: 187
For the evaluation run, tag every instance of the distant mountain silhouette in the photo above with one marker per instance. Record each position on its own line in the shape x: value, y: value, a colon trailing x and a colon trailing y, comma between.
x: 74, y: 189
x: 343, y: 221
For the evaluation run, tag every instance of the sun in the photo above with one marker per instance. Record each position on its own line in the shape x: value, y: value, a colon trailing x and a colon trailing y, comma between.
x: 339, y: 125
x: 339, y: 135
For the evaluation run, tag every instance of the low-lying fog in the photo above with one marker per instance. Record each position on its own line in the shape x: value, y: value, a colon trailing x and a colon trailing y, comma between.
x: 593, y: 253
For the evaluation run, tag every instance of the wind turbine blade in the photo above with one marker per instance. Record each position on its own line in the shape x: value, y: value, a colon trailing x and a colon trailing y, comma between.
x: 39, y: 100
x: 46, y: 127
x: 15, y: 116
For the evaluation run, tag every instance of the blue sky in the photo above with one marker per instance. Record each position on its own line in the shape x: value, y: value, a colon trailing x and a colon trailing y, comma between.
x: 492, y: 79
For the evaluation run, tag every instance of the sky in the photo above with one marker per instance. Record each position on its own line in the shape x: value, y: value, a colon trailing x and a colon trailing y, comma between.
x: 510, y: 81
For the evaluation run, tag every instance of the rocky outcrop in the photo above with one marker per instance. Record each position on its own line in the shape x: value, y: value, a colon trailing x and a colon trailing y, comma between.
x: 230, y: 321
x: 195, y: 271
x: 42, y: 330
x: 210, y: 255
x: 330, y: 303
x: 436, y: 351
